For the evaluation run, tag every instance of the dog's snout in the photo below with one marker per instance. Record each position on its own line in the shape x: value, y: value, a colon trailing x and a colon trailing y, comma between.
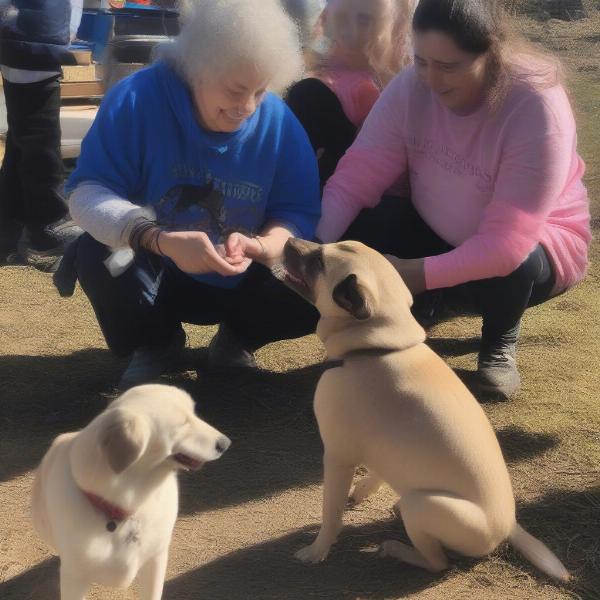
x: 222, y: 444
x: 300, y: 246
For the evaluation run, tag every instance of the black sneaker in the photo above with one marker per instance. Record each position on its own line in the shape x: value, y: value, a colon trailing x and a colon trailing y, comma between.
x: 225, y: 351
x: 150, y: 362
x: 498, y: 376
x: 10, y: 232
x: 51, y: 240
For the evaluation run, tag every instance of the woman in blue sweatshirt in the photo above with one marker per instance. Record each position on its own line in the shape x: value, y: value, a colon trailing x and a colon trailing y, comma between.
x: 204, y: 173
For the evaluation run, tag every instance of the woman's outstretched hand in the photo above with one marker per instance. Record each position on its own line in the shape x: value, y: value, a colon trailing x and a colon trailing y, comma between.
x: 193, y: 252
x: 239, y: 247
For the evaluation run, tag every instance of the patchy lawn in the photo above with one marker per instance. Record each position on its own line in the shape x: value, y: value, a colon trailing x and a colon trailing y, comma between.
x: 243, y: 517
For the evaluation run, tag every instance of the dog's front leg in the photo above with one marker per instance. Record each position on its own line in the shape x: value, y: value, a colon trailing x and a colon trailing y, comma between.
x: 72, y: 586
x: 337, y: 481
x: 151, y: 577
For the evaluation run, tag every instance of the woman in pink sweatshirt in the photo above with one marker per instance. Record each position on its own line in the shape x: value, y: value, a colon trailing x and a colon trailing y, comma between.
x: 482, y: 132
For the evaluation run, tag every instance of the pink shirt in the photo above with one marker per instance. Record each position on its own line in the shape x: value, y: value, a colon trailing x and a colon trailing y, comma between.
x: 356, y: 91
x: 492, y: 184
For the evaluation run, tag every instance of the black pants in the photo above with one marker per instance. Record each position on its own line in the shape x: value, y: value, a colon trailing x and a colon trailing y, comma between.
x: 32, y: 170
x: 146, y: 303
x: 320, y: 112
x: 395, y: 227
x: 149, y: 301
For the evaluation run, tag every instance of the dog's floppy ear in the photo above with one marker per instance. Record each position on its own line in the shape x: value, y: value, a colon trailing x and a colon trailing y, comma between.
x: 123, y: 439
x: 353, y: 297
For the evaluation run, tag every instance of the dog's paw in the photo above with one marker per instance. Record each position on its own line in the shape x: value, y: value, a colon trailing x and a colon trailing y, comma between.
x: 312, y: 554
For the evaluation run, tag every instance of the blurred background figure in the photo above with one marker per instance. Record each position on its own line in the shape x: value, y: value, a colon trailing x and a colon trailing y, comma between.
x: 306, y: 14
x: 34, y: 40
x: 356, y: 49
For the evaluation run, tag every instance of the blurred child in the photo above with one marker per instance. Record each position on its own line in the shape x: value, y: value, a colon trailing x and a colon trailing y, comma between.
x: 359, y: 45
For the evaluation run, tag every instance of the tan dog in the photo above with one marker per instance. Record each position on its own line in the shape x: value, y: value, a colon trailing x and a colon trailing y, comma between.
x: 397, y: 408
x: 106, y: 498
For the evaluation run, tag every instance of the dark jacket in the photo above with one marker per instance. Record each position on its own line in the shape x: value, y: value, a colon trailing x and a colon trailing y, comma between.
x: 37, y: 37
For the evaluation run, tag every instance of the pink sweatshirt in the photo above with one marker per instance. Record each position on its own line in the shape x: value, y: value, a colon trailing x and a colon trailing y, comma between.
x: 356, y: 91
x: 493, y: 185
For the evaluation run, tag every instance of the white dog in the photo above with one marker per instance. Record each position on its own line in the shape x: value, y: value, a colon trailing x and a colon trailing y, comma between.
x: 106, y: 498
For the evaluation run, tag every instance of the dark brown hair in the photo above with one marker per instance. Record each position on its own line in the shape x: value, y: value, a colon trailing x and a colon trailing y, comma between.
x: 483, y: 27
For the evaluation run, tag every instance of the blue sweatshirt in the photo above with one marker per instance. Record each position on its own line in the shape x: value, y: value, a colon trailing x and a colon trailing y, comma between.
x: 38, y: 38
x: 147, y: 146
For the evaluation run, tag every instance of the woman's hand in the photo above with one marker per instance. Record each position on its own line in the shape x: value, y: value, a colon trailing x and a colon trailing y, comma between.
x: 193, y: 252
x: 239, y: 246
x: 412, y: 271
x: 266, y: 249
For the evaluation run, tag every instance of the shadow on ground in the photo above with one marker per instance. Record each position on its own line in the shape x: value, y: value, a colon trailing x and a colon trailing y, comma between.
x: 519, y: 445
x: 267, y: 415
x: 446, y: 347
x: 269, y: 571
x: 567, y: 521
x: 353, y: 570
x: 39, y: 583
x: 43, y: 396
x: 269, y: 418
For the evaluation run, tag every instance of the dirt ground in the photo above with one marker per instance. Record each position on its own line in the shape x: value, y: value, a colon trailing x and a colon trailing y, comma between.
x: 242, y: 518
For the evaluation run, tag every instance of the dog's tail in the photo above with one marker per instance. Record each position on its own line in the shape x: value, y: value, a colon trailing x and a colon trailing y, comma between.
x: 538, y: 554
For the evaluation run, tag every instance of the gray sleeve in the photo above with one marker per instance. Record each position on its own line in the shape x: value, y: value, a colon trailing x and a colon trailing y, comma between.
x: 104, y: 215
x: 76, y: 14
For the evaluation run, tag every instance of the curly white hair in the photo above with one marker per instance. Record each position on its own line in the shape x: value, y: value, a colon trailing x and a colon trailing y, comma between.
x: 218, y: 35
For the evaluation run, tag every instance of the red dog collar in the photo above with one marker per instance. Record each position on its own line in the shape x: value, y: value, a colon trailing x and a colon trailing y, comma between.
x: 111, y: 511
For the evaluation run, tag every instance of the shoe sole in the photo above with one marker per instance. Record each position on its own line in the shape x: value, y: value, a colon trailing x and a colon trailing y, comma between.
x: 32, y: 254
x: 222, y: 368
x: 14, y: 259
x: 495, y: 394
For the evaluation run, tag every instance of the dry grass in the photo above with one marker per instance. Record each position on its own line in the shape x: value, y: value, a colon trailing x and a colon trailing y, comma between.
x: 242, y: 518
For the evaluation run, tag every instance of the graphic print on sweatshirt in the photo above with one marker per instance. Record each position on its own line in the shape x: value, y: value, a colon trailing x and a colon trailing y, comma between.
x: 216, y: 207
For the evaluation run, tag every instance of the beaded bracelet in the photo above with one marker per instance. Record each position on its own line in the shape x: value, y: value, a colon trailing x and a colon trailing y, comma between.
x: 138, y: 232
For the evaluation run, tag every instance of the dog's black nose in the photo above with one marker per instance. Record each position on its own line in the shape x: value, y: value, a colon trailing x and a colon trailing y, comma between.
x: 222, y: 444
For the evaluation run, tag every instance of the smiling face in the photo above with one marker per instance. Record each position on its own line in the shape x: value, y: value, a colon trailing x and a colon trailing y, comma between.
x: 224, y: 103
x: 456, y: 77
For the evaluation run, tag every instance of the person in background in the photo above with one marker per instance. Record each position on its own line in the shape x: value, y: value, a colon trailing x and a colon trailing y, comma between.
x: 482, y: 130
x: 306, y: 14
x: 204, y: 173
x: 34, y: 41
x: 358, y: 48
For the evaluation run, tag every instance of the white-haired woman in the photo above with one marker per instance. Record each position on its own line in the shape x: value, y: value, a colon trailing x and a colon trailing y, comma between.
x: 205, y: 174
